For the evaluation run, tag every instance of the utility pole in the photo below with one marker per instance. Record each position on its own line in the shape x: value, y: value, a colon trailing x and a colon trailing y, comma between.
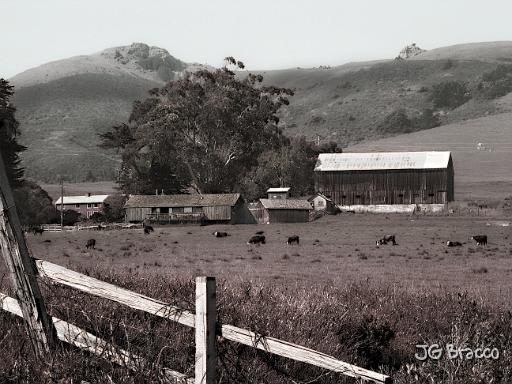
x: 61, y: 204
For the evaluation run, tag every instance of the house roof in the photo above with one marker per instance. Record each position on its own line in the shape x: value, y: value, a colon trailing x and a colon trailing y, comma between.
x: 382, y: 160
x: 82, y: 199
x: 286, y: 189
x: 183, y: 200
x: 285, y: 204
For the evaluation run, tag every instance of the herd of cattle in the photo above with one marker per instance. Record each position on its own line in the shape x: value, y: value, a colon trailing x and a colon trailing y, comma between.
x: 259, y: 238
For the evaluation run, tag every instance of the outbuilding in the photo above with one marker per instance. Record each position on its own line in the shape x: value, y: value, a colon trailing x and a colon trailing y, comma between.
x: 283, y: 211
x: 194, y: 208
x: 386, y: 178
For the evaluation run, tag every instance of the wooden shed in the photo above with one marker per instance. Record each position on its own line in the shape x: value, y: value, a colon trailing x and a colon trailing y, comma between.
x: 284, y: 211
x: 385, y: 178
x: 213, y: 208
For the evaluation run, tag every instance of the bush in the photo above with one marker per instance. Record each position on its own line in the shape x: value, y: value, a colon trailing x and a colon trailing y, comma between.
x: 426, y: 120
x: 450, y: 94
x: 396, y: 122
x: 34, y: 205
x: 497, y: 82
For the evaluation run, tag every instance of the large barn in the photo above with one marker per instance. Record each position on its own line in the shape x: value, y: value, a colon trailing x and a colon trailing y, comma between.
x: 385, y: 178
x: 215, y: 208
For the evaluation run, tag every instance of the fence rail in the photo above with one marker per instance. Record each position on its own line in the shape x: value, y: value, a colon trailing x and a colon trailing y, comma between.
x: 155, y: 307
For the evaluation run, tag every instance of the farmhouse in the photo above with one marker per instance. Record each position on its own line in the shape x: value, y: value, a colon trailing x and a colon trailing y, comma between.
x: 85, y: 205
x: 385, y: 178
x: 282, y: 211
x: 221, y: 208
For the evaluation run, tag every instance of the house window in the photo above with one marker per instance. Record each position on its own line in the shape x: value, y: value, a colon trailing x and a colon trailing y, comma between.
x: 320, y: 203
x: 95, y: 205
x: 89, y: 205
x: 431, y: 195
x: 187, y: 209
x: 77, y: 205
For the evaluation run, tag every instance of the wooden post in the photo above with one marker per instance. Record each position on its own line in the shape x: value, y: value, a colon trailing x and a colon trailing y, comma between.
x: 23, y: 271
x: 206, y: 314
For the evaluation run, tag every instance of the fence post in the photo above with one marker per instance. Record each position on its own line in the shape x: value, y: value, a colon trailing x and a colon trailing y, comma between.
x: 206, y: 355
x: 22, y: 269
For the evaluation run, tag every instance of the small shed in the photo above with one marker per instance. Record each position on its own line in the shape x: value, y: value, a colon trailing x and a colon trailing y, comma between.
x: 278, y: 193
x: 285, y: 210
x: 320, y: 202
x: 213, y: 208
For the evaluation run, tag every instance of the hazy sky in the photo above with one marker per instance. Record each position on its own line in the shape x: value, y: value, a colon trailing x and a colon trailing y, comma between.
x: 265, y: 34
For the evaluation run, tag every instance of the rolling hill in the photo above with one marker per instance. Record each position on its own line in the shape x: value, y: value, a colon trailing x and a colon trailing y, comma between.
x: 63, y: 105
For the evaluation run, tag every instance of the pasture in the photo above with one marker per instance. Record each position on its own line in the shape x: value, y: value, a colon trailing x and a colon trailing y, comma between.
x: 335, y: 250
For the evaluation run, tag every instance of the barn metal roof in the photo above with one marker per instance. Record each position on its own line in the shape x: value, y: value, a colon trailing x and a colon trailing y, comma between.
x: 285, y: 204
x: 382, y: 160
x: 83, y: 199
x: 278, y: 190
x: 196, y: 200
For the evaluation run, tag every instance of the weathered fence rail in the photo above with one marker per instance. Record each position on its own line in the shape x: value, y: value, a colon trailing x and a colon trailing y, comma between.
x: 229, y: 332
x: 82, y: 227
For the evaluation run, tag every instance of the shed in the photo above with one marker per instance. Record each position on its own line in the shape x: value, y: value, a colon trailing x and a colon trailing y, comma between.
x: 285, y: 210
x: 386, y: 178
x: 214, y: 208
x: 278, y: 193
x: 320, y: 202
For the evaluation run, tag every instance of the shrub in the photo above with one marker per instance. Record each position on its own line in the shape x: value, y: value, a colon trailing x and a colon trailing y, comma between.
x: 427, y: 119
x: 396, y: 122
x: 497, y: 82
x: 450, y: 94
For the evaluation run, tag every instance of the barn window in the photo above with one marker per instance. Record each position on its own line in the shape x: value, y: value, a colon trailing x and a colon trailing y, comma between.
x: 400, y: 195
x: 431, y: 195
x: 89, y: 205
x: 358, y: 196
x: 187, y: 209
x: 344, y: 196
x: 77, y: 205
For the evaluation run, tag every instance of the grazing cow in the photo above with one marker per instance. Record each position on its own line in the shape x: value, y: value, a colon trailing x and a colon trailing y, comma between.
x: 453, y: 243
x: 257, y: 239
x: 260, y: 232
x: 293, y: 239
x: 100, y: 227
x: 91, y: 243
x: 148, y: 229
x: 480, y: 239
x: 38, y: 231
x: 220, y: 234
x: 386, y: 239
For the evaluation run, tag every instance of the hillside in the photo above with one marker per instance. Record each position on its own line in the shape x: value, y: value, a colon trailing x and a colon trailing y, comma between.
x: 481, y: 171
x: 63, y: 105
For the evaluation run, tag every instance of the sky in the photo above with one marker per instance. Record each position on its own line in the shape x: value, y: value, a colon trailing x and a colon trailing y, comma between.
x: 264, y: 34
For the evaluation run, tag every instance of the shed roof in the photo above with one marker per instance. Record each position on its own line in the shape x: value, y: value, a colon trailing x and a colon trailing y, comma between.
x: 382, y: 160
x: 286, y: 204
x: 83, y: 199
x: 286, y: 189
x: 183, y: 200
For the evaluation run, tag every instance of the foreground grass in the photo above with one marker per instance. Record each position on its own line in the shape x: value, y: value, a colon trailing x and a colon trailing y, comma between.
x: 373, y: 327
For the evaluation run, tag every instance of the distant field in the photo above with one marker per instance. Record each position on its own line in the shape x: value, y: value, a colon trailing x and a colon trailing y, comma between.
x: 95, y: 188
x: 345, y: 253
x: 479, y: 174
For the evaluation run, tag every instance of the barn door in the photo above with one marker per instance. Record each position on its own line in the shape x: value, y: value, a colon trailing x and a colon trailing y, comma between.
x: 441, y: 197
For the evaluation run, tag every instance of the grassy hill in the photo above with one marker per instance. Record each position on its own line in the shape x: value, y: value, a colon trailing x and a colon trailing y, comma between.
x: 63, y: 105
x: 480, y: 174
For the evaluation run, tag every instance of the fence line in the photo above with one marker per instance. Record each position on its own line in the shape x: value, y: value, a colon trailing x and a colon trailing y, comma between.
x: 243, y: 336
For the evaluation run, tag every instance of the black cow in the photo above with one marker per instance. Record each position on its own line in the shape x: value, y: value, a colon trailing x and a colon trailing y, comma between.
x: 480, y: 239
x: 91, y: 243
x: 386, y: 239
x: 257, y: 239
x: 453, y: 243
x: 293, y: 239
x: 220, y: 234
x: 148, y: 229
x: 38, y: 231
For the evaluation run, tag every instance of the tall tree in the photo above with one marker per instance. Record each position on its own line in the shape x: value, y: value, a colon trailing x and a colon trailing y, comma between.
x: 203, y: 131
x: 9, y: 146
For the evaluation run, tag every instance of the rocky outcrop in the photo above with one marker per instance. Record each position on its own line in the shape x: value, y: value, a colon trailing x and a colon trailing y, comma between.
x: 409, y: 51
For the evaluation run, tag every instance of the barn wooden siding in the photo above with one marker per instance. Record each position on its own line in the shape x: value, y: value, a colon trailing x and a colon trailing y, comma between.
x: 218, y: 213
x: 136, y: 214
x: 404, y: 186
x: 286, y: 216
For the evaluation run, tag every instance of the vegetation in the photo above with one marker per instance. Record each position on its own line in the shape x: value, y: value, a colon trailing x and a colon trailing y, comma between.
x: 374, y: 327
x: 399, y: 122
x: 450, y: 94
x: 496, y: 83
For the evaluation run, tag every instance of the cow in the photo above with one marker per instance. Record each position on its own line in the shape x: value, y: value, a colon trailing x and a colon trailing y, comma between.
x: 91, y: 243
x: 260, y: 232
x: 100, y: 227
x: 37, y: 231
x: 386, y: 239
x: 220, y: 234
x: 256, y: 239
x: 148, y: 229
x: 453, y: 243
x: 293, y: 239
x: 480, y: 239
